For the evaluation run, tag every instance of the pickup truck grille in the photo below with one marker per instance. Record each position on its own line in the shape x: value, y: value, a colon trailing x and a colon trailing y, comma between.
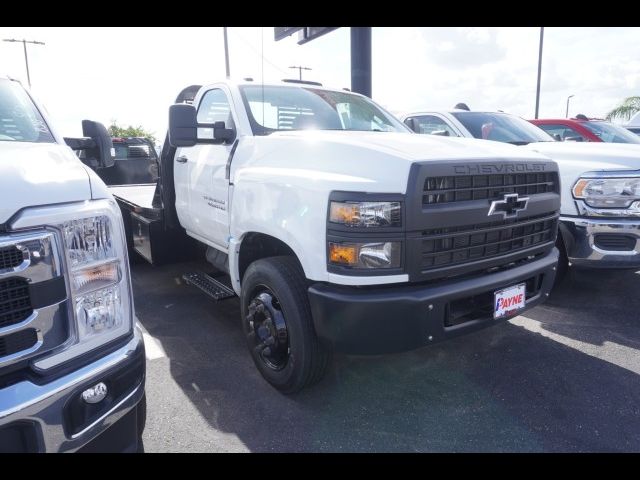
x: 34, y: 316
x: 10, y: 257
x: 466, y: 218
x: 15, y: 304
x: 17, y: 342
x: 448, y: 189
x: 444, y: 247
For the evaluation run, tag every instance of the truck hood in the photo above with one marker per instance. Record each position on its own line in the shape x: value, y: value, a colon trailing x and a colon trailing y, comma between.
x: 39, y: 174
x: 408, y: 146
x: 584, y: 157
x: 356, y: 161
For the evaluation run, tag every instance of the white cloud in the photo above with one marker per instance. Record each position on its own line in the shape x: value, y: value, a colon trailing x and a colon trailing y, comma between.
x: 134, y: 74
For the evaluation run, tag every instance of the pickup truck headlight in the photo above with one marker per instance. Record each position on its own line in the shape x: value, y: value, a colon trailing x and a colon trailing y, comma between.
x: 95, y: 274
x: 365, y: 255
x: 366, y: 214
x: 608, y: 192
x: 98, y: 273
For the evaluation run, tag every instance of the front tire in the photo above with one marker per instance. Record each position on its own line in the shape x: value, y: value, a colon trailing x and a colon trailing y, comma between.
x: 277, y: 322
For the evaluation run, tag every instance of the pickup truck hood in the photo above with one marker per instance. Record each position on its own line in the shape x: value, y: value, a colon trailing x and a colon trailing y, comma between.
x: 356, y: 161
x: 411, y: 147
x: 39, y: 174
x: 584, y: 157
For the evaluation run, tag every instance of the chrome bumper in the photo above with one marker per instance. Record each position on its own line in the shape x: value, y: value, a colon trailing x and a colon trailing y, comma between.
x: 44, y: 405
x: 582, y: 249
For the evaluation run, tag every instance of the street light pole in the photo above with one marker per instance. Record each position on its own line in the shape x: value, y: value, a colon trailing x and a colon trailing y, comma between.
x: 26, y: 58
x: 566, y: 115
x: 539, y: 70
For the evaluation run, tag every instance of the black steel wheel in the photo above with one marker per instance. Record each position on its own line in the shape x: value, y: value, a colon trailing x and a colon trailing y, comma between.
x: 276, y: 320
x: 267, y: 329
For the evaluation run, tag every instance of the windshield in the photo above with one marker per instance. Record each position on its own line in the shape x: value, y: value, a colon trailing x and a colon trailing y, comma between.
x: 20, y: 120
x: 502, y: 127
x: 276, y: 108
x: 608, y: 132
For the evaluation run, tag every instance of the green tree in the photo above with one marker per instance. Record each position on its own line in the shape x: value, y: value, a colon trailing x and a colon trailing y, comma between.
x: 116, y: 130
x: 626, y: 109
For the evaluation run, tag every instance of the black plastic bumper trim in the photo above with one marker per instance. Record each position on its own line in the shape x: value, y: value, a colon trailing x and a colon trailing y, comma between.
x: 386, y: 319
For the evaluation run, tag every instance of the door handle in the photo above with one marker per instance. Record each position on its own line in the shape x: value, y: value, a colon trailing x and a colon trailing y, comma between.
x: 182, y: 159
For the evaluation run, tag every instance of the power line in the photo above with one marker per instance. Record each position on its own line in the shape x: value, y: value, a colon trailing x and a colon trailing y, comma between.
x: 26, y: 58
x: 259, y: 54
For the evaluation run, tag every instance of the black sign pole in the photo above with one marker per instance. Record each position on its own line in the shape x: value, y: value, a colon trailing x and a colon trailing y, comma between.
x: 361, y: 60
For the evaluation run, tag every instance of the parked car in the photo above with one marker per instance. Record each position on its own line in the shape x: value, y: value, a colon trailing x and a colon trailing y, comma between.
x: 633, y: 125
x: 583, y: 129
x: 72, y: 360
x: 600, y: 213
x: 338, y: 228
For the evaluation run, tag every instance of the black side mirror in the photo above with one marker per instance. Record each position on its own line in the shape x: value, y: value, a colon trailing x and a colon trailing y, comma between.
x: 103, y: 151
x: 183, y: 125
x: 96, y: 145
x: 557, y: 137
x: 223, y: 134
x: 412, y: 124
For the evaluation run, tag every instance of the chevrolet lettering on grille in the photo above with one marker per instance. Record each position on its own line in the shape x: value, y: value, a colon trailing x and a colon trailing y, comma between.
x: 509, y: 206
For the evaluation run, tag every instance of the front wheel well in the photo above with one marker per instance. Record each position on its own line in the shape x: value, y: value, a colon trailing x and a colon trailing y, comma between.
x: 256, y: 246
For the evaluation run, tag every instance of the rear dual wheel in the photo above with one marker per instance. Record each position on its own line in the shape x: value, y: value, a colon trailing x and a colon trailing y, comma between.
x: 277, y: 322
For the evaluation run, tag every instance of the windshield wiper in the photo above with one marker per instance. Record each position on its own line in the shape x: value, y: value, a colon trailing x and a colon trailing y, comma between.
x: 519, y: 142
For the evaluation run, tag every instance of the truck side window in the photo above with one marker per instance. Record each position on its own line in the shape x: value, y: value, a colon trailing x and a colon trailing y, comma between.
x: 214, y: 107
x: 562, y: 130
x: 430, y: 123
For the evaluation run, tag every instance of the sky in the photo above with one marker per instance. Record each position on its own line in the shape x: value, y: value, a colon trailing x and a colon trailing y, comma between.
x: 132, y: 75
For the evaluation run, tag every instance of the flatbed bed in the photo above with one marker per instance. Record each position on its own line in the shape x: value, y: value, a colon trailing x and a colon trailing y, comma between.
x: 145, y: 229
x: 138, y: 198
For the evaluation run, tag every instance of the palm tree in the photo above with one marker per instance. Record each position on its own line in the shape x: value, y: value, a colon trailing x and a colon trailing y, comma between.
x: 626, y: 109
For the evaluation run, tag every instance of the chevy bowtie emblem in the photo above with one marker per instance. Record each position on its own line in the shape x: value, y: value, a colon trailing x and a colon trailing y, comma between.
x: 509, y: 206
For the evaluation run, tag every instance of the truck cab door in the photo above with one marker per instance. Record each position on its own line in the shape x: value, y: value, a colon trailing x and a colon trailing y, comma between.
x: 202, y: 189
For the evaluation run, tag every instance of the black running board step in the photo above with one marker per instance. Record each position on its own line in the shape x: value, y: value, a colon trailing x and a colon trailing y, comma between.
x: 209, y: 285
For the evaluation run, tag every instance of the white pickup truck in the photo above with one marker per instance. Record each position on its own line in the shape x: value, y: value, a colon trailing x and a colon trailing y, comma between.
x: 72, y: 363
x: 338, y: 228
x: 600, y: 214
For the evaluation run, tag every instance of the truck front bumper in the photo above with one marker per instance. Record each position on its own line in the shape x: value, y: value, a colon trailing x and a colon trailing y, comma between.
x: 52, y: 417
x: 602, y: 243
x: 386, y: 319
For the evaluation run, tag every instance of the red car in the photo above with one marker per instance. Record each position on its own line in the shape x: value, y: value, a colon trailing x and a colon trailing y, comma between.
x: 583, y: 129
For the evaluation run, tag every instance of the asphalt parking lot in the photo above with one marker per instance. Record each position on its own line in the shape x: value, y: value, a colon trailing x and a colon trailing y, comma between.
x: 563, y: 378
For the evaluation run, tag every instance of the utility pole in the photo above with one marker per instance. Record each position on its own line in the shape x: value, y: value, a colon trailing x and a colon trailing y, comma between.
x: 226, y: 53
x: 539, y: 70
x: 26, y: 58
x: 566, y: 115
x: 300, y: 68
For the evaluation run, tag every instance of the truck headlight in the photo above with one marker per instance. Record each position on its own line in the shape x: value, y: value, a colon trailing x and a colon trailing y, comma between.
x: 92, y: 255
x: 365, y: 255
x: 608, y: 192
x: 99, y: 280
x: 366, y: 214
